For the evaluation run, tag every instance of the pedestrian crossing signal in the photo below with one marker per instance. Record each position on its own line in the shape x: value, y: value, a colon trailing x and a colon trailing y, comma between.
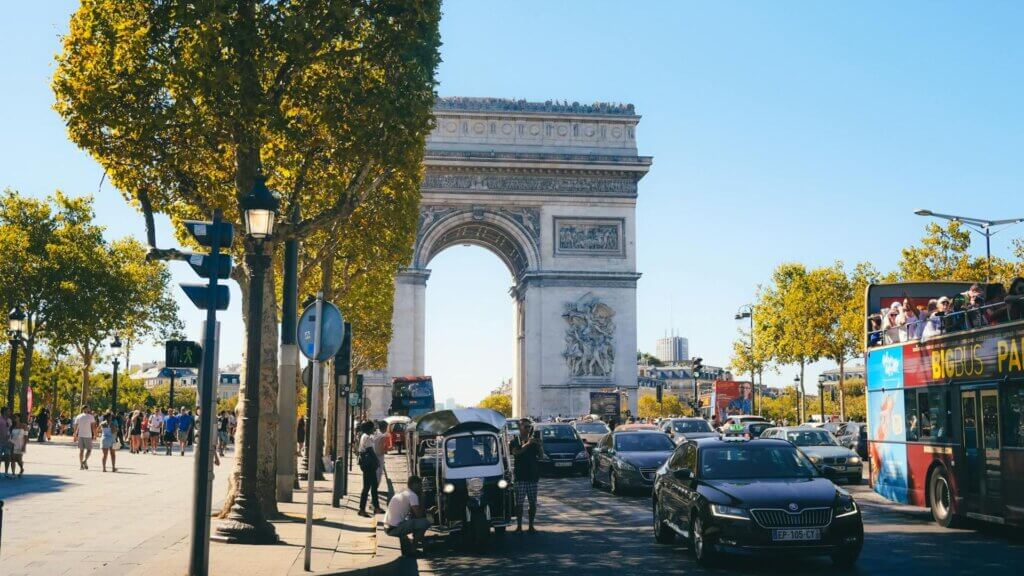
x: 182, y: 354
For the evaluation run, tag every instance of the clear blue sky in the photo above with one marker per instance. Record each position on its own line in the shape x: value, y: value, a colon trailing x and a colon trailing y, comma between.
x: 780, y: 131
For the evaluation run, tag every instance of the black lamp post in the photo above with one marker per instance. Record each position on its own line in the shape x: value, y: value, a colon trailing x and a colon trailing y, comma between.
x: 821, y: 395
x: 747, y: 312
x: 15, y: 327
x: 799, y: 402
x: 115, y: 346
x: 245, y: 523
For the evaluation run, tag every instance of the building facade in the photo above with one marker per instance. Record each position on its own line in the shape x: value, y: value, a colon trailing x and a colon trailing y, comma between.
x: 672, y: 349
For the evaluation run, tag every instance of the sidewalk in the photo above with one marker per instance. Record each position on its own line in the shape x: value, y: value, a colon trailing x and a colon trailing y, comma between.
x: 343, y: 541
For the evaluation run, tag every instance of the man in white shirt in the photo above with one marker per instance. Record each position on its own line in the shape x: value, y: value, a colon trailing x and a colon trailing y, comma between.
x: 405, y: 516
x: 84, y: 426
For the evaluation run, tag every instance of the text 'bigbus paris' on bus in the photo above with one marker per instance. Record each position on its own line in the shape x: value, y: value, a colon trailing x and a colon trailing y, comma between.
x: 412, y: 396
x: 945, y: 397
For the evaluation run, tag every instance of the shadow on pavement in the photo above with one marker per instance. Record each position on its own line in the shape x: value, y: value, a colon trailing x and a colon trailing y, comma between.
x: 30, y: 483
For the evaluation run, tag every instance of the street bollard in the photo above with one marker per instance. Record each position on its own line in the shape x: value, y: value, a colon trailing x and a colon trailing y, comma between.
x: 338, y: 491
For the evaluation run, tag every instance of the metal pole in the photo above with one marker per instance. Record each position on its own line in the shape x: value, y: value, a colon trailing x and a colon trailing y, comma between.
x: 288, y: 365
x: 171, y: 394
x: 113, y: 392
x: 344, y: 448
x: 245, y: 523
x: 821, y: 398
x: 13, y: 375
x: 310, y: 430
x: 753, y: 383
x: 199, y: 560
x: 988, y: 254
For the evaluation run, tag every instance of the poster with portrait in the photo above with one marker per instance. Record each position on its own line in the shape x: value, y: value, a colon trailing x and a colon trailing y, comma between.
x: 732, y: 398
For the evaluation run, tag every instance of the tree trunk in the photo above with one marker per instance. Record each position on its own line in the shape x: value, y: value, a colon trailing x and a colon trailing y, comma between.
x: 26, y: 374
x: 800, y: 395
x: 86, y: 370
x: 266, y: 466
x: 331, y: 409
x: 842, y: 390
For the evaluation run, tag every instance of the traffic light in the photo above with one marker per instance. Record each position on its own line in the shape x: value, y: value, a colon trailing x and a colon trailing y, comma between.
x: 697, y: 365
x: 659, y: 393
x: 182, y: 354
x: 199, y: 294
x: 217, y: 236
x: 343, y: 361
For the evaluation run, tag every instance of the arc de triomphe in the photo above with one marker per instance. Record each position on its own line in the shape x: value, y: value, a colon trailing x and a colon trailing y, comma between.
x: 551, y: 189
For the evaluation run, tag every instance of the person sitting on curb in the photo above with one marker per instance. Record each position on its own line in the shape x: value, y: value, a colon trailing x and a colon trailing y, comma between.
x: 405, y: 516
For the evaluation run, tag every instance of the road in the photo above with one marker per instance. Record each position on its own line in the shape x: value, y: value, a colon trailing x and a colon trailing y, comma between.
x: 588, y: 531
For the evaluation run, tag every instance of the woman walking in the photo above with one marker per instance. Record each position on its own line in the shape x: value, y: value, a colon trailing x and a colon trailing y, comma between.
x: 135, y: 432
x: 369, y: 463
x: 108, y: 434
x: 19, y: 442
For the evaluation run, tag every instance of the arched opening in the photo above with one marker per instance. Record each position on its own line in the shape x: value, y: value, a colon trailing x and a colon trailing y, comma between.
x: 469, y: 326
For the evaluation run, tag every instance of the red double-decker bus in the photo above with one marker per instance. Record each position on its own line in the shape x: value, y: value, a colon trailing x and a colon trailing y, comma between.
x: 945, y: 398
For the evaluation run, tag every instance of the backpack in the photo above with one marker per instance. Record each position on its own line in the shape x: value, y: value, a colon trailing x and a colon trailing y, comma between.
x: 368, y: 460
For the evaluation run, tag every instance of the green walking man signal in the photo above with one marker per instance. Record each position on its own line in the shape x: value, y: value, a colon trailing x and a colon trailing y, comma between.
x: 182, y: 354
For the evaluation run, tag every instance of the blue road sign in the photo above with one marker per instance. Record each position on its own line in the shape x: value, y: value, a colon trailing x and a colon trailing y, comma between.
x: 332, y: 332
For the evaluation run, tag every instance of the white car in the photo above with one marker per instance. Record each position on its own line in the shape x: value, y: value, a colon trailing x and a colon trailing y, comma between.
x: 591, y: 432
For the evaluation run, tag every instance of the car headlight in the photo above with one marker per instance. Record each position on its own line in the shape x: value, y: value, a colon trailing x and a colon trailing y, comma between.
x: 582, y: 455
x: 502, y: 483
x: 449, y: 488
x: 623, y: 465
x: 815, y: 459
x: 729, y: 512
x: 853, y: 460
x: 845, y: 508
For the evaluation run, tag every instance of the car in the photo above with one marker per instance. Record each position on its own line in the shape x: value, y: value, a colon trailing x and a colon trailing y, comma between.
x: 753, y: 497
x: 682, y: 429
x: 591, y: 432
x: 512, y: 428
x: 396, y: 426
x: 741, y: 419
x: 822, y: 448
x: 750, y: 429
x: 562, y: 449
x: 628, y: 460
x: 635, y: 426
x: 848, y: 433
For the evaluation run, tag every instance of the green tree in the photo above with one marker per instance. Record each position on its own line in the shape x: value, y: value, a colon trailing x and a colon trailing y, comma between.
x: 185, y: 105
x: 943, y: 254
x: 500, y: 403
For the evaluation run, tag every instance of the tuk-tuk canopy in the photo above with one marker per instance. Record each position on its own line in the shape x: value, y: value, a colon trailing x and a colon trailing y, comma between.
x: 446, y: 421
x: 392, y: 419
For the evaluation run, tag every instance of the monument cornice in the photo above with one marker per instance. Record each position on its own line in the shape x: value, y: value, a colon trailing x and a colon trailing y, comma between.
x: 541, y: 163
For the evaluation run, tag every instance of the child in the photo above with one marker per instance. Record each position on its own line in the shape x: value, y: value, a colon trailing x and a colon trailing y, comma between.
x: 107, y: 434
x: 19, y: 442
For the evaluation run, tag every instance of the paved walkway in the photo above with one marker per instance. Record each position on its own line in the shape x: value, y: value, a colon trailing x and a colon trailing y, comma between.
x: 62, y: 520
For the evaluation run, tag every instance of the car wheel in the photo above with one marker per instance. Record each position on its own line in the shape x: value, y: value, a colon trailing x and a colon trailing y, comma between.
x: 941, y: 500
x: 703, y: 550
x: 614, y: 484
x: 662, y: 534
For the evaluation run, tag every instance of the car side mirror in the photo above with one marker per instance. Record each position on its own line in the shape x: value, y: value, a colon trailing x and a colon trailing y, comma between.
x: 683, y: 474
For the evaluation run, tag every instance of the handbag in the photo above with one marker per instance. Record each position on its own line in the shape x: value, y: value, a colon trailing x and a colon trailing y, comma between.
x: 368, y: 460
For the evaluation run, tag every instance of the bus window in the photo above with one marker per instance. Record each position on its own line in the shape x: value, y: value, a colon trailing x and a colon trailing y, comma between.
x: 910, y: 409
x: 1013, y: 432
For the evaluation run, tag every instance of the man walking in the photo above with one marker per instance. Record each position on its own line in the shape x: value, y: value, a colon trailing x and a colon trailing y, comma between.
x: 170, y: 430
x: 43, y: 420
x: 185, y: 424
x: 405, y: 516
x: 527, y: 468
x: 84, y: 430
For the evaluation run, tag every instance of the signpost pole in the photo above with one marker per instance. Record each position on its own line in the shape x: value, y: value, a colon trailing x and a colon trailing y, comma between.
x: 314, y: 410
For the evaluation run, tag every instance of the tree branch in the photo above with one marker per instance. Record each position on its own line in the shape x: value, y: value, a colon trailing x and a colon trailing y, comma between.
x: 341, y: 208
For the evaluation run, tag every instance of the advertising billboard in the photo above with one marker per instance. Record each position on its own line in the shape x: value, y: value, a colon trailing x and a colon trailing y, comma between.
x: 605, y: 405
x: 732, y: 397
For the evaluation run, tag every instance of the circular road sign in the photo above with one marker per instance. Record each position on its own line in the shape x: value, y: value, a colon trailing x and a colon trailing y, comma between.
x: 331, y: 331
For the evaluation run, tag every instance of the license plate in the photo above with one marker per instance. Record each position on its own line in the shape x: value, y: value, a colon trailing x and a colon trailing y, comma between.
x: 563, y: 464
x: 796, y: 535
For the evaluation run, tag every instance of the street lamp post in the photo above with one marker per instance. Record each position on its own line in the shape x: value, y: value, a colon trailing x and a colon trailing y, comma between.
x: 747, y: 311
x: 821, y: 395
x: 15, y: 327
x: 799, y: 402
x: 245, y: 523
x: 983, y: 227
x: 115, y: 345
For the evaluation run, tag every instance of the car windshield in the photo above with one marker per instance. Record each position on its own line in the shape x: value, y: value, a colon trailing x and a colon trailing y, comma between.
x: 471, y: 451
x: 811, y: 438
x: 749, y: 461
x: 557, y: 433
x: 643, y: 443
x: 685, y: 426
x: 592, y: 428
x: 512, y: 425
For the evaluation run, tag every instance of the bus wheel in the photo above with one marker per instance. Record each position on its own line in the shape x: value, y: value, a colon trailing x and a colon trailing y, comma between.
x: 941, y: 500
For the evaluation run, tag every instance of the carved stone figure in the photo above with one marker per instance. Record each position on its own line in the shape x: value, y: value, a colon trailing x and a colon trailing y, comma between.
x: 589, y: 341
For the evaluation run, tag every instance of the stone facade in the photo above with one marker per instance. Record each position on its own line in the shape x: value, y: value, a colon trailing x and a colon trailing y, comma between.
x: 551, y: 189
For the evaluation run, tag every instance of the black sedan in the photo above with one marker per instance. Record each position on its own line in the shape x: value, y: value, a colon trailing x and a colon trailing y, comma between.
x: 629, y: 459
x: 760, y: 496
x: 562, y: 449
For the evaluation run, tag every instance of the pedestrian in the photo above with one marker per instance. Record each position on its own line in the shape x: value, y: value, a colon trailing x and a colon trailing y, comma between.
x: 135, y: 431
x: 527, y: 471
x: 222, y: 432
x: 5, y: 440
x: 405, y: 516
x: 119, y: 422
x: 156, y: 425
x: 19, y: 440
x: 185, y: 425
x: 108, y: 433
x: 84, y: 429
x: 232, y: 424
x: 368, y: 464
x: 43, y: 420
x: 170, y: 429
x: 300, y: 435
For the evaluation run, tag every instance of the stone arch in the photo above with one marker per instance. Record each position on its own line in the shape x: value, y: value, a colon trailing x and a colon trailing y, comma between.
x: 510, y: 234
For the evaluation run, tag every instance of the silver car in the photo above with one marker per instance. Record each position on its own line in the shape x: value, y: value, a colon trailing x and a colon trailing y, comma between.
x: 822, y: 448
x: 591, y: 432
